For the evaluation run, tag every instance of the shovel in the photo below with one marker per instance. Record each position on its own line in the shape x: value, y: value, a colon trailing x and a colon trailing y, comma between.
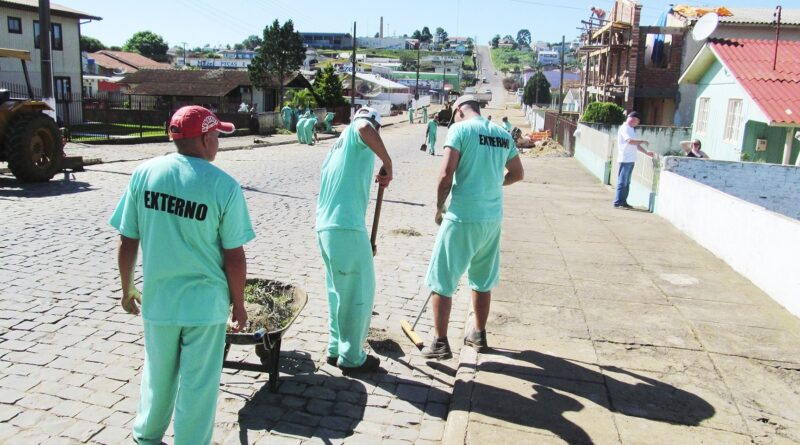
x: 378, y: 202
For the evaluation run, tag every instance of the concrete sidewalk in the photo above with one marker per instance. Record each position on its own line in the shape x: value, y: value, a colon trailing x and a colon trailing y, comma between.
x: 611, y: 326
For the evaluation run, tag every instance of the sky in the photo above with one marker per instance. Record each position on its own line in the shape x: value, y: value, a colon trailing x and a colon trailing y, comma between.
x: 200, y: 22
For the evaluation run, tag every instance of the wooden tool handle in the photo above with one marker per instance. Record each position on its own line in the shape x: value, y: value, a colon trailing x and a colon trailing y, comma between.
x: 378, y: 202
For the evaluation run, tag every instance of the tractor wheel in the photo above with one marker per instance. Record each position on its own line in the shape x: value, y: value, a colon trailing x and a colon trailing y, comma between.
x: 33, y: 145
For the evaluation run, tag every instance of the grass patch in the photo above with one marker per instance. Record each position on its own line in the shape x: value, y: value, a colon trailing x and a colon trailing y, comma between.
x: 508, y: 59
x: 406, y: 232
x: 284, y: 131
x: 101, y: 131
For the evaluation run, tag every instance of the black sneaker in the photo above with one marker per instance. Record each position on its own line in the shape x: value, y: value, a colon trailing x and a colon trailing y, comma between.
x: 331, y: 360
x: 439, y: 349
x: 476, y: 339
x: 371, y: 364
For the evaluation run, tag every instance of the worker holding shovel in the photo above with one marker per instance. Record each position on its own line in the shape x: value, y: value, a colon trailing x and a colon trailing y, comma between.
x: 192, y: 221
x: 430, y: 134
x: 347, y: 173
x: 479, y: 159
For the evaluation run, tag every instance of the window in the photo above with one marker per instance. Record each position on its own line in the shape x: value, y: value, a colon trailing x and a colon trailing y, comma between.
x: 14, y: 25
x: 702, y: 115
x: 733, y: 120
x: 56, y: 36
x: 63, y: 88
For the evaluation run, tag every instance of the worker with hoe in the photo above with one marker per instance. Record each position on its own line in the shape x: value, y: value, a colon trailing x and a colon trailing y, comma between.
x: 191, y: 220
x: 347, y: 173
x: 479, y: 159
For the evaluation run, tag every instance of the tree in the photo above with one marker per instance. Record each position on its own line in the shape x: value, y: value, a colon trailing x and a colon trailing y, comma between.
x: 91, y: 45
x: 252, y: 42
x: 523, y: 37
x: 441, y: 35
x: 537, y: 90
x: 495, y: 40
x: 114, y: 48
x: 604, y: 113
x: 408, y: 61
x: 282, y: 52
x: 425, y: 35
x: 238, y: 46
x: 303, y: 97
x: 417, y: 35
x: 328, y: 88
x: 148, y: 44
x: 377, y: 35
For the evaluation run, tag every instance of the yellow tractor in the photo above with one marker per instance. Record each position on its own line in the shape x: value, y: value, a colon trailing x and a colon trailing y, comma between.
x: 30, y: 141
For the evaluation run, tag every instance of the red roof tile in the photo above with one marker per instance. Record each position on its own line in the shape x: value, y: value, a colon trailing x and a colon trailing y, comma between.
x: 126, y: 62
x: 776, y: 92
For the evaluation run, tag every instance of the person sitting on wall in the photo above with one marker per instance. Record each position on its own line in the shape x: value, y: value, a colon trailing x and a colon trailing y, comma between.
x: 692, y: 149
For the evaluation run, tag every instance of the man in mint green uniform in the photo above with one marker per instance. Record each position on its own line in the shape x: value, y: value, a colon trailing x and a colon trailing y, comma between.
x: 479, y: 159
x: 507, y: 125
x: 191, y: 219
x: 347, y: 174
x: 301, y: 128
x: 286, y: 116
x: 424, y: 115
x: 433, y: 127
x: 411, y: 114
x: 308, y: 134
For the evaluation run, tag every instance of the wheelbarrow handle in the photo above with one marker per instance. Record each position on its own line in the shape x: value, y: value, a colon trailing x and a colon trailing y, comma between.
x: 378, y: 203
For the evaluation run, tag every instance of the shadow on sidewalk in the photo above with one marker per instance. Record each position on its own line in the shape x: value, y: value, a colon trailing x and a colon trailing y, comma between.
x: 553, y: 380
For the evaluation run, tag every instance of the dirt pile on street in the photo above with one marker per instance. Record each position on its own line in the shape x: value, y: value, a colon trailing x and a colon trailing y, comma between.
x: 546, y: 148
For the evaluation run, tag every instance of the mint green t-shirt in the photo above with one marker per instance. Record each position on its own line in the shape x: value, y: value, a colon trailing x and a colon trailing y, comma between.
x: 184, y: 211
x: 485, y: 148
x: 347, y: 174
x: 432, y: 128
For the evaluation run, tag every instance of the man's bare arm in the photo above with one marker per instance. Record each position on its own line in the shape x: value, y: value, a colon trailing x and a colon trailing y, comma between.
x: 126, y: 261
x: 448, y: 169
x: 373, y: 140
x: 515, y: 172
x: 235, y: 265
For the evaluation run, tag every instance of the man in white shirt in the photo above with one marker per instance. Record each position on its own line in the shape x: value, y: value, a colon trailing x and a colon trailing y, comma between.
x: 627, y: 146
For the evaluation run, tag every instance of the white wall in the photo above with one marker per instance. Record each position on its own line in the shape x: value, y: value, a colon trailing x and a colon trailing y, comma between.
x: 761, y: 245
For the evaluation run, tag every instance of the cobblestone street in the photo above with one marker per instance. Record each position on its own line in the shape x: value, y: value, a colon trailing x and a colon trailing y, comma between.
x: 71, y: 357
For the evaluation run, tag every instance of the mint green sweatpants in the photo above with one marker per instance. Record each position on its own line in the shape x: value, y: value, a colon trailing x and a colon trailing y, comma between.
x: 183, y: 362
x: 301, y: 130
x: 350, y: 281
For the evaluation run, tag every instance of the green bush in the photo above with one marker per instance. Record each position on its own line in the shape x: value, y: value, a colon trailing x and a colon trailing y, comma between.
x: 604, y: 113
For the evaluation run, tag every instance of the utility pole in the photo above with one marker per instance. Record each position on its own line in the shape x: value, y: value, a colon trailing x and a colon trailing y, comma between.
x: 45, y: 51
x: 561, y: 83
x: 416, y: 88
x: 184, y: 53
x: 777, y: 15
x: 353, y: 77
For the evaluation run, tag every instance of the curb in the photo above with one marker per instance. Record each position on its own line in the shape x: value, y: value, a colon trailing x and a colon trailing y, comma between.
x: 98, y: 161
x: 455, y: 428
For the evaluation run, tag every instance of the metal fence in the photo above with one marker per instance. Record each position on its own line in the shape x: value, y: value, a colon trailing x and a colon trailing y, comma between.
x: 562, y: 128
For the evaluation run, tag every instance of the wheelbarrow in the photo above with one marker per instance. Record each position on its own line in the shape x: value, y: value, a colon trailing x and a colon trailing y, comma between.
x: 267, y: 343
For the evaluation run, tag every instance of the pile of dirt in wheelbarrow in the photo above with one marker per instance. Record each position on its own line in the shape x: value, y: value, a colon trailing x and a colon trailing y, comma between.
x: 269, y: 306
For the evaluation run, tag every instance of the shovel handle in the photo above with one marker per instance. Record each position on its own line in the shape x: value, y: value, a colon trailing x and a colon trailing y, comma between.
x: 378, y: 202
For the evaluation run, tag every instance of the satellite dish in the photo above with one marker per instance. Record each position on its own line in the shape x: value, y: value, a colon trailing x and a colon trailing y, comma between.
x: 705, y: 26
x: 119, y: 71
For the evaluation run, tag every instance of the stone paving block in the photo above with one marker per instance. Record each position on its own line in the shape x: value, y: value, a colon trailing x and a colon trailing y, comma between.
x: 94, y: 414
x: 39, y: 401
x: 20, y: 383
x: 10, y: 396
x: 82, y: 431
x: 7, y: 412
x: 111, y: 435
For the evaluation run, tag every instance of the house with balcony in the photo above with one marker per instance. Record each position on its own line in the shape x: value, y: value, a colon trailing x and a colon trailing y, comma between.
x: 19, y: 29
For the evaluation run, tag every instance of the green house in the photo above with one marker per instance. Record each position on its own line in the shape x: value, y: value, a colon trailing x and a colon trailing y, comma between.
x: 748, y: 99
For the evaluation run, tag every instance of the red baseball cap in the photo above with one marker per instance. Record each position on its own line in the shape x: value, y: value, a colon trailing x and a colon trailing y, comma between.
x: 193, y: 121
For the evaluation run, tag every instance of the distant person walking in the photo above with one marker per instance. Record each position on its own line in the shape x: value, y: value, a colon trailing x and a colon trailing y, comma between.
x: 410, y: 113
x: 430, y: 134
x: 479, y: 159
x: 627, y: 146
